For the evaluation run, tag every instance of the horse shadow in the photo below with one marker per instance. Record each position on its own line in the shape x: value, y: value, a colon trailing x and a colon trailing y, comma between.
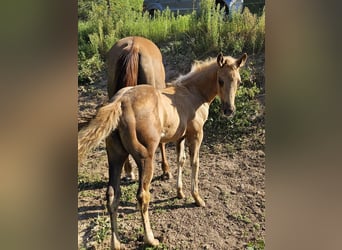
x: 92, y: 185
x: 87, y: 212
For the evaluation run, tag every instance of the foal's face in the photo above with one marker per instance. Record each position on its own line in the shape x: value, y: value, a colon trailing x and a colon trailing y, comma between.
x: 228, y: 80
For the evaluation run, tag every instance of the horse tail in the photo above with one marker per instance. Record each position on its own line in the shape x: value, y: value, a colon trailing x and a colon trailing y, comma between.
x: 128, y: 76
x: 99, y: 128
x: 132, y: 66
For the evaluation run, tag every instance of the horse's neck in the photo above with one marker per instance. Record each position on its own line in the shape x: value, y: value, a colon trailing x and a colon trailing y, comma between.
x: 204, y: 84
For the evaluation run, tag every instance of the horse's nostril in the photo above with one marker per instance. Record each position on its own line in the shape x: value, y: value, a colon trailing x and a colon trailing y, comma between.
x: 228, y: 111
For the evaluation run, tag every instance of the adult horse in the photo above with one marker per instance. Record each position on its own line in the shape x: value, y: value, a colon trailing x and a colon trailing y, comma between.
x: 131, y: 61
x: 139, y: 118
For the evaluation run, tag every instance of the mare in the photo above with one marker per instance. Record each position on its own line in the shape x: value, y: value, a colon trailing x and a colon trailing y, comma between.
x: 139, y: 118
x: 131, y: 61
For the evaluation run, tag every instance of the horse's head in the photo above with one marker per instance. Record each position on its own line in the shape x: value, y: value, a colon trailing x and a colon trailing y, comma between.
x: 228, y: 80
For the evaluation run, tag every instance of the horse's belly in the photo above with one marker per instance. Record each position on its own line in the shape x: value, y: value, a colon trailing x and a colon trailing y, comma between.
x: 172, y: 132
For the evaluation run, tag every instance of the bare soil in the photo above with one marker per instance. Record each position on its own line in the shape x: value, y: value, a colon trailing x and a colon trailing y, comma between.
x: 232, y: 183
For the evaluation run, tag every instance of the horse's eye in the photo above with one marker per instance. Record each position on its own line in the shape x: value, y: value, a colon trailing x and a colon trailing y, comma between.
x: 221, y: 82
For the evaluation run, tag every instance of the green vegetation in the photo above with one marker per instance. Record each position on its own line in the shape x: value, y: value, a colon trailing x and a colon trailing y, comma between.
x: 161, y: 246
x: 129, y: 192
x: 247, y: 124
x: 101, y: 25
x: 89, y: 181
x: 101, y: 228
x: 256, y: 245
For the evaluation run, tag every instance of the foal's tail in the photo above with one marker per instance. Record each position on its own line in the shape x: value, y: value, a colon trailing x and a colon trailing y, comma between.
x: 105, y: 121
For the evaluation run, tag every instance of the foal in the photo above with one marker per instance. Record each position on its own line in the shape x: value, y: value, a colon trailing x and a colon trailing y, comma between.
x: 141, y: 117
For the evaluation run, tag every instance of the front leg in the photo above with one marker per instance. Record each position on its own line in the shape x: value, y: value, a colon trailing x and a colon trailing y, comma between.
x: 195, y: 141
x: 180, y: 148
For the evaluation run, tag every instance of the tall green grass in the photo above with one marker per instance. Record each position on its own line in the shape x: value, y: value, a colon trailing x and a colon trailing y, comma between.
x: 101, y: 25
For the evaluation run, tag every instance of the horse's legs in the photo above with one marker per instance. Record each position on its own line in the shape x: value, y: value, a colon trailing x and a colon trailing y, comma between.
x: 194, y: 145
x: 165, y: 164
x: 180, y: 162
x: 145, y: 166
x: 116, y: 157
x: 129, y: 175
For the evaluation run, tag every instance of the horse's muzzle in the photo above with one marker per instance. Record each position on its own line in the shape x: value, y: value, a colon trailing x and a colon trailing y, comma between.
x: 228, y: 110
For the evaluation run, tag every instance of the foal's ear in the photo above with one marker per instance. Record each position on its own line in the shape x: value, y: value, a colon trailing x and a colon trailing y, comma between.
x: 241, y: 61
x: 220, y: 60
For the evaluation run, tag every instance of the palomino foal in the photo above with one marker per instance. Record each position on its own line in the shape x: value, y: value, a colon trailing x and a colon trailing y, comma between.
x: 139, y: 118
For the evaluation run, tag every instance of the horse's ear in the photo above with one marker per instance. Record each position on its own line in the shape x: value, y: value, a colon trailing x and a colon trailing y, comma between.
x: 220, y: 60
x: 241, y: 61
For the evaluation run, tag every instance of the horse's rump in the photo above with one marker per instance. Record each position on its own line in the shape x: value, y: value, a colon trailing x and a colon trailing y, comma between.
x: 132, y: 61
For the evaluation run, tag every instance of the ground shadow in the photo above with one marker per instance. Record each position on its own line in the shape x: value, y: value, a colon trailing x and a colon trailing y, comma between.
x: 91, y: 185
x: 168, y: 206
x: 87, y: 185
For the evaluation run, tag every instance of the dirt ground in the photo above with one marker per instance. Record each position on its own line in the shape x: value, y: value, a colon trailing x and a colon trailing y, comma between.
x: 231, y: 183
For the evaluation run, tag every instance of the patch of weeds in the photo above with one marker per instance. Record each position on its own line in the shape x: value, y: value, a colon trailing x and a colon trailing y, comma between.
x: 90, y: 181
x: 87, y: 194
x: 241, y: 217
x: 189, y: 199
x: 101, y: 228
x: 256, y: 245
x: 161, y: 246
x: 256, y: 226
x: 159, y: 210
x: 139, y: 230
x: 129, y: 192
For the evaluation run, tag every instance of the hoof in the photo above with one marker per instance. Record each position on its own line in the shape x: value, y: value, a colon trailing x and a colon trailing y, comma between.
x: 199, y: 202
x: 115, y: 244
x: 153, y: 243
x: 127, y: 179
x: 166, y: 176
x: 180, y: 194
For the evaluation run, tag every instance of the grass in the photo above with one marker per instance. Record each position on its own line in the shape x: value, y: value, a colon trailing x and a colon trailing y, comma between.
x: 161, y: 246
x: 101, y: 228
x: 129, y: 192
x: 243, y: 218
x: 256, y: 245
x: 87, y: 181
x: 199, y: 34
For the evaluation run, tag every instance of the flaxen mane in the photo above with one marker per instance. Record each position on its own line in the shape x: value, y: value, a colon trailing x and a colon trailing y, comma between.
x: 198, y: 66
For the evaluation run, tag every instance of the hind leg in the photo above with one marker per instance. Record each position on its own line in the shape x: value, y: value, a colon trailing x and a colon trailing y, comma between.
x: 165, y: 165
x: 145, y: 166
x: 129, y: 175
x: 116, y: 157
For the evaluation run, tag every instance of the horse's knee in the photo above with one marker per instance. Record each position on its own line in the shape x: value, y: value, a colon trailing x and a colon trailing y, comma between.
x: 143, y: 200
x: 113, y: 198
x: 110, y: 195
